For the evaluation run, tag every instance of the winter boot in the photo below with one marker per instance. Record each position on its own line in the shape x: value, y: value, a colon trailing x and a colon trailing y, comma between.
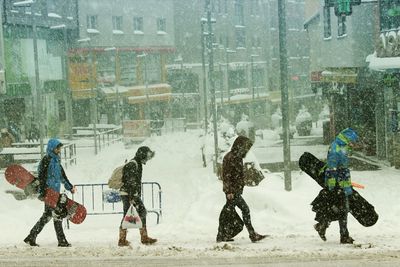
x: 220, y: 238
x: 254, y: 237
x: 31, y: 241
x: 346, y: 240
x: 321, y: 230
x: 122, y: 242
x: 64, y: 244
x: 145, y: 239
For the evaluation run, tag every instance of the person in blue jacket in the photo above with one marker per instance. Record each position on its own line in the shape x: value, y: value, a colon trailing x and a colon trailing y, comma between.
x: 51, y: 175
x: 338, y: 183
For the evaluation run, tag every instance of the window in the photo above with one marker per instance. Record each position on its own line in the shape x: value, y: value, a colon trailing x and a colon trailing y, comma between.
x: 117, y: 23
x: 226, y: 6
x: 138, y: 24
x: 91, y: 21
x: 62, y: 113
x: 342, y: 26
x: 252, y: 7
x: 239, y: 12
x: 161, y: 25
x: 240, y: 37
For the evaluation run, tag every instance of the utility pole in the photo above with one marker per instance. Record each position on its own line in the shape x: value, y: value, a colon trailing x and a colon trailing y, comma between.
x: 203, y: 65
x: 283, y: 64
x: 227, y: 52
x: 253, y: 106
x: 211, y: 77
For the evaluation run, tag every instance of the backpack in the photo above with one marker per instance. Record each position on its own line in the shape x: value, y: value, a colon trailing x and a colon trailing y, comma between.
x: 115, y: 181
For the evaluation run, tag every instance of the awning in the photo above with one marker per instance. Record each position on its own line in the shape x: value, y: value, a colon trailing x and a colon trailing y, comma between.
x: 383, y: 63
x: 339, y: 75
x: 82, y: 94
x: 150, y: 98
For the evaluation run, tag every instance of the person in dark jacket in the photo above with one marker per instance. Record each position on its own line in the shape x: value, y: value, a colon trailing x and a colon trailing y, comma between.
x: 51, y: 175
x: 132, y: 192
x: 333, y: 202
x: 233, y: 184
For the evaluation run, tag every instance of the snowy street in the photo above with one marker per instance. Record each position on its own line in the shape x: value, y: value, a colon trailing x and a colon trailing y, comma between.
x: 192, y: 200
x: 381, y: 260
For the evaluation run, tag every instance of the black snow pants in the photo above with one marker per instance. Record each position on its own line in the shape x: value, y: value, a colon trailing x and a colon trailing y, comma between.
x: 239, y: 202
x: 46, y: 217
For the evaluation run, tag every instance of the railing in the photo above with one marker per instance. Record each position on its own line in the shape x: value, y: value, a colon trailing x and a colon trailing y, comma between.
x: 105, y: 135
x: 30, y: 153
x: 105, y: 138
x: 92, y: 197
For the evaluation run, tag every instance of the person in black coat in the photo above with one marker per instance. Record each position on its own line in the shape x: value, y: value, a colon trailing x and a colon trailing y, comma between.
x: 233, y: 184
x: 132, y: 193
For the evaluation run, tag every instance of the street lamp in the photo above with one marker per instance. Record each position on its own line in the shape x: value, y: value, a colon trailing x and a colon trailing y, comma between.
x: 36, y: 89
x: 93, y: 98
x: 283, y: 67
x: 211, y: 78
x: 144, y: 56
x: 203, y: 65
x: 227, y: 52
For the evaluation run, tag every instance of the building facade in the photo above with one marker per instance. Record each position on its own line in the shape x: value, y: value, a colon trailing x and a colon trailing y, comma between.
x: 50, y: 25
x: 119, y: 60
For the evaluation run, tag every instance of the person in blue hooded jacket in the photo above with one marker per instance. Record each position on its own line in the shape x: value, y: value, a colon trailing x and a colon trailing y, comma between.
x: 338, y: 184
x: 51, y: 175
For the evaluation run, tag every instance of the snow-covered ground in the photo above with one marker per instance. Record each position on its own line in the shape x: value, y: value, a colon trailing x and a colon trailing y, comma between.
x: 192, y: 200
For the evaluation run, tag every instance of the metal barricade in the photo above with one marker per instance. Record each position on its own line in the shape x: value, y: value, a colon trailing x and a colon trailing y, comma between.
x: 92, y: 197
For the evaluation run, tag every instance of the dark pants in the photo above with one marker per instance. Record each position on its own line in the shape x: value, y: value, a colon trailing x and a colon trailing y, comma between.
x: 46, y: 217
x: 343, y: 220
x: 139, y: 206
x: 239, y: 202
x: 341, y: 209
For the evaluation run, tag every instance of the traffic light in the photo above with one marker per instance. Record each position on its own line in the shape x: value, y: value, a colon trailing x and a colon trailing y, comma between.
x: 342, y: 7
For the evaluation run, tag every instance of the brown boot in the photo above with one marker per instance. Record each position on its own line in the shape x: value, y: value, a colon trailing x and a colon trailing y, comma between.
x: 145, y: 238
x: 122, y: 242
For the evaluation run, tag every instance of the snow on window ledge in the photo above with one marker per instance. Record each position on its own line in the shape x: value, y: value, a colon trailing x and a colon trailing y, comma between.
x: 118, y: 32
x: 92, y: 31
x: 54, y: 15
x: 161, y: 33
x: 138, y: 32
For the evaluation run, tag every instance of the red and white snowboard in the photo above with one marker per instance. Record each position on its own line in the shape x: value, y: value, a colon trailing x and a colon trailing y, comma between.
x: 23, y: 179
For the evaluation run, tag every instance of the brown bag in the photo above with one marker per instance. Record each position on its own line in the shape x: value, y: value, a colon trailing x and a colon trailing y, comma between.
x: 252, y: 176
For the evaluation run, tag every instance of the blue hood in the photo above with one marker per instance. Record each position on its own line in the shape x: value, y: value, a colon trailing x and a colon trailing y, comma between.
x: 51, y: 145
x: 347, y: 136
